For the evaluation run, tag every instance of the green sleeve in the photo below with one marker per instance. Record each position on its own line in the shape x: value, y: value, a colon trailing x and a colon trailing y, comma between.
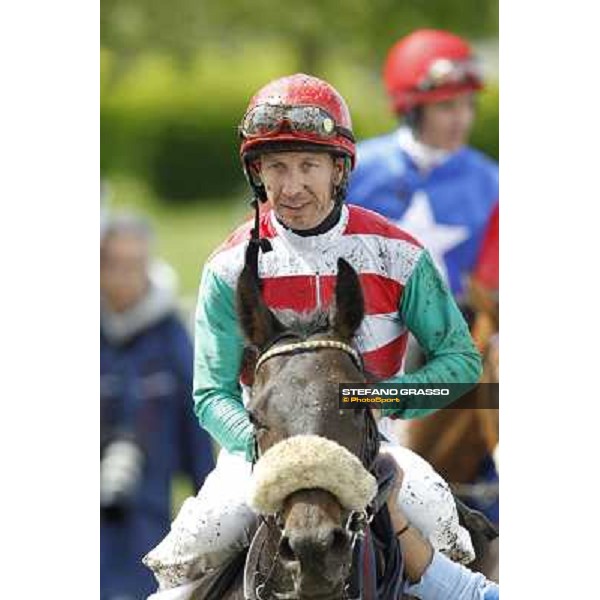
x: 432, y: 316
x: 218, y: 356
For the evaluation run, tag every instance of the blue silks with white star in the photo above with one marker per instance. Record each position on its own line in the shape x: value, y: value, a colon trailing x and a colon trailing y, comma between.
x: 447, y: 209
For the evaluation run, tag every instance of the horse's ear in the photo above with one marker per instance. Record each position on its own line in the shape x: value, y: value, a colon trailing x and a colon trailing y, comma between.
x: 349, y: 308
x: 249, y: 359
x: 258, y: 323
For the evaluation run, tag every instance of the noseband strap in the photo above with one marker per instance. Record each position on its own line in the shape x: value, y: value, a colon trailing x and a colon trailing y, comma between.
x: 307, y: 346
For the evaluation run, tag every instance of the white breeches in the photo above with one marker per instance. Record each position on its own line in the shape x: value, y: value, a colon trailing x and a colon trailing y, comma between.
x: 213, y: 526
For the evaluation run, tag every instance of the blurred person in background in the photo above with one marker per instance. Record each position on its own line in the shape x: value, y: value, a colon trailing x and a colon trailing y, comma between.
x: 425, y: 178
x: 148, y: 429
x: 423, y: 175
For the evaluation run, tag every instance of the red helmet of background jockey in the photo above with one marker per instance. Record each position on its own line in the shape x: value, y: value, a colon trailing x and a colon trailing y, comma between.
x: 296, y: 113
x: 429, y: 66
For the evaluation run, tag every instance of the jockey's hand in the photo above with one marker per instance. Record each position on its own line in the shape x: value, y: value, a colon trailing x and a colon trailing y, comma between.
x: 392, y: 501
x: 416, y: 550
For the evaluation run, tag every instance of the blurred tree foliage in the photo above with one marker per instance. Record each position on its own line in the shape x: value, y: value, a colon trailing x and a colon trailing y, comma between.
x: 176, y: 76
x: 364, y: 30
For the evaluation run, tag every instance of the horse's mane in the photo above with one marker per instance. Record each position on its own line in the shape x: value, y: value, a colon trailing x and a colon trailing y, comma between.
x: 311, y: 322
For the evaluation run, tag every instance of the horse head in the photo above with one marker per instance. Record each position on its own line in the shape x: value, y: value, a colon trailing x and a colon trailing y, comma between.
x: 313, y: 470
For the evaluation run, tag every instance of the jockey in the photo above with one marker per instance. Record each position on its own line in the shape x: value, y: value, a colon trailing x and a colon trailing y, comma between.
x: 423, y: 176
x: 297, y: 152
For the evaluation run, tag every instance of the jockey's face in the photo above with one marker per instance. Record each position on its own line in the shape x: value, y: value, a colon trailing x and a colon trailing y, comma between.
x: 446, y: 125
x: 124, y: 261
x: 300, y: 185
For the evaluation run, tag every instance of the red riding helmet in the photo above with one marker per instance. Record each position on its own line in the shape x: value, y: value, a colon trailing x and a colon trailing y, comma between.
x: 429, y: 66
x: 299, y: 112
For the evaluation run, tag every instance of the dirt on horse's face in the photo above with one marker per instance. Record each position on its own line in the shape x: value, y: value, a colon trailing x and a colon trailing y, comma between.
x: 292, y: 397
x: 299, y: 394
x: 296, y: 394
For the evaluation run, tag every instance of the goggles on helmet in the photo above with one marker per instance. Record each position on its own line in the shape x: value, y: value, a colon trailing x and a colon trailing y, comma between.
x: 267, y: 119
x: 445, y: 72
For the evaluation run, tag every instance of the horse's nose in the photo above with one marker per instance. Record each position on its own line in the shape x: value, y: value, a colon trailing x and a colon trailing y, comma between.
x: 307, y: 546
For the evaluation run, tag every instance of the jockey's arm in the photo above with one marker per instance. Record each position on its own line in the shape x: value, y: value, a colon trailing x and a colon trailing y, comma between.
x: 432, y: 316
x: 429, y: 574
x: 217, y: 360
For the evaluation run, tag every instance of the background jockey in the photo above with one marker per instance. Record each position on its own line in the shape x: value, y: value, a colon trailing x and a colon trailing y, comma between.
x: 298, y: 150
x: 423, y: 176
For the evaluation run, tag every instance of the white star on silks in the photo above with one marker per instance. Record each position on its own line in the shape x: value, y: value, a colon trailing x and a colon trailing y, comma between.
x: 418, y: 220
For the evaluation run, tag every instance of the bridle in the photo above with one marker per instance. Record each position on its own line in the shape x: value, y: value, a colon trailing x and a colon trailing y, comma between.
x: 357, y: 520
x: 308, y: 346
x: 370, y: 442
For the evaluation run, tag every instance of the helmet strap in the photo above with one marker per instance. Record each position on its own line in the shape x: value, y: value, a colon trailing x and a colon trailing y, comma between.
x: 413, y: 118
x: 256, y: 243
x: 255, y: 182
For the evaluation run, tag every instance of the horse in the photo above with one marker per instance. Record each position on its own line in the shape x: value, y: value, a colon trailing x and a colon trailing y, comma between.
x: 317, y: 490
x: 312, y: 486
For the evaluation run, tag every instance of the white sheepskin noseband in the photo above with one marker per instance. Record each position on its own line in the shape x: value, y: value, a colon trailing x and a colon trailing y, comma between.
x: 309, y: 461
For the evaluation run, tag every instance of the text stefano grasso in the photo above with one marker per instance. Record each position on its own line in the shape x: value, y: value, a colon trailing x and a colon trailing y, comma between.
x: 395, y: 391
